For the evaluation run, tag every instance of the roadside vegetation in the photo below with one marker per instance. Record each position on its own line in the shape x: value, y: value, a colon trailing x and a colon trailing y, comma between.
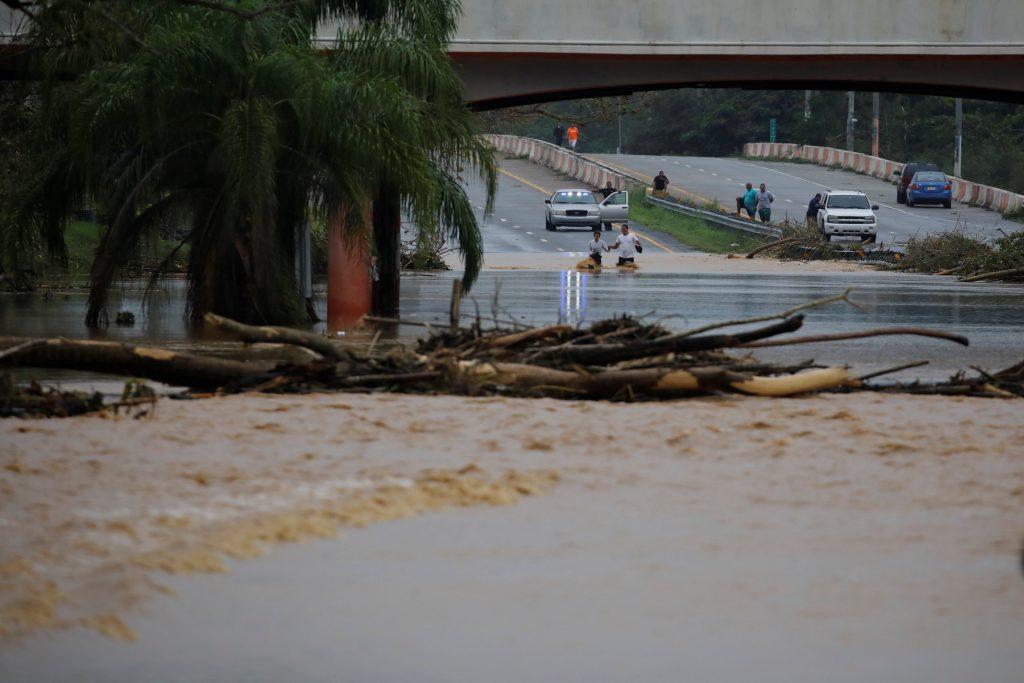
x: 692, y: 232
x: 970, y: 259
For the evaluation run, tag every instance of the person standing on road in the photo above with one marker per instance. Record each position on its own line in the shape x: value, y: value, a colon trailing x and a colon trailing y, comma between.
x: 765, y: 199
x: 750, y: 200
x: 741, y: 201
x: 606, y: 192
x: 812, y: 211
x: 628, y: 246
x: 660, y: 184
x: 559, y: 134
x: 574, y: 135
x: 597, y: 247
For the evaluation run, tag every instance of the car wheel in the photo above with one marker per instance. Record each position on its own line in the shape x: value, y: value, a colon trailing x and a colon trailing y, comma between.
x: 870, y: 239
x: 948, y: 204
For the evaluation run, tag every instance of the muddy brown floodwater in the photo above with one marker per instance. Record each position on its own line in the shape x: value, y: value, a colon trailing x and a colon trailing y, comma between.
x: 887, y: 525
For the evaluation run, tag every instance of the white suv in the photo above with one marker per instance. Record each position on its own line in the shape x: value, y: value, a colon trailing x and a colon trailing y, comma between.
x: 845, y: 213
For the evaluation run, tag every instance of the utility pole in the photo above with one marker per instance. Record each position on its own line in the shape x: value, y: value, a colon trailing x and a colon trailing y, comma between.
x: 876, y: 107
x: 958, y: 149
x: 807, y: 105
x: 618, y: 146
x: 850, y: 120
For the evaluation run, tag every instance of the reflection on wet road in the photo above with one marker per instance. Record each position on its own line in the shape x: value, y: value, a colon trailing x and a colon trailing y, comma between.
x: 991, y: 315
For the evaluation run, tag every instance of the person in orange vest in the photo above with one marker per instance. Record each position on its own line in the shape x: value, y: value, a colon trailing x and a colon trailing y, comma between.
x: 573, y: 134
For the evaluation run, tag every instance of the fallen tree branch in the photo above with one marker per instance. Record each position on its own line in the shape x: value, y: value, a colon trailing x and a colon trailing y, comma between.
x: 599, y: 354
x: 114, y: 358
x: 1010, y: 272
x: 878, y: 332
x: 889, y: 371
x: 280, y: 335
x: 779, y: 243
x: 845, y: 296
x: 535, y: 334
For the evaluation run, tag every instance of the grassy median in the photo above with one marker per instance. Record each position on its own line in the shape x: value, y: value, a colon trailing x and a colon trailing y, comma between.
x: 693, y: 232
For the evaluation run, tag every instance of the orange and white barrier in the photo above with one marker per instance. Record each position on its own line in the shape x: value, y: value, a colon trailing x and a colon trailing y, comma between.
x: 559, y: 159
x: 963, y: 190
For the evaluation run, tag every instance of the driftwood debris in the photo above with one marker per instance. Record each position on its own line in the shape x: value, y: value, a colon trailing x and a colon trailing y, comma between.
x: 276, y: 335
x: 615, y: 359
x: 115, y: 358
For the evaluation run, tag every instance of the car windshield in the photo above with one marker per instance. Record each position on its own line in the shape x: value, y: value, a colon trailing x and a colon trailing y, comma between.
x: 573, y: 197
x: 848, y: 201
x: 930, y: 178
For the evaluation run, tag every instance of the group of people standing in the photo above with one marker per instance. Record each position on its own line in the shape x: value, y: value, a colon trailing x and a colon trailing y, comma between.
x: 570, y: 135
x: 756, y: 202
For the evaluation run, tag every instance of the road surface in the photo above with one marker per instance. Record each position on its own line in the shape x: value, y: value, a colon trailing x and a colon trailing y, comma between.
x: 794, y: 184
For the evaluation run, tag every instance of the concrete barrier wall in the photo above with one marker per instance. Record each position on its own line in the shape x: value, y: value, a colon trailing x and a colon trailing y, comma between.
x: 963, y: 190
x: 559, y: 159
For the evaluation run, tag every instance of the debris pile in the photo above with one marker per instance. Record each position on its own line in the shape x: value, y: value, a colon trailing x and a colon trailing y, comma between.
x: 614, y: 359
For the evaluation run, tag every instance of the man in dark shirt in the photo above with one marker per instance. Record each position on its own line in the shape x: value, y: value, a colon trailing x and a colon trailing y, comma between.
x: 559, y: 134
x: 607, y: 191
x: 660, y: 183
x: 812, y: 211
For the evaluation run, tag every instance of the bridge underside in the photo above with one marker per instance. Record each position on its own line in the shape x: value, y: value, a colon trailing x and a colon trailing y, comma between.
x: 494, y: 80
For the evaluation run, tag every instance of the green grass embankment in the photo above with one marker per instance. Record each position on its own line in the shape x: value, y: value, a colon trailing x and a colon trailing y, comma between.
x: 693, y: 232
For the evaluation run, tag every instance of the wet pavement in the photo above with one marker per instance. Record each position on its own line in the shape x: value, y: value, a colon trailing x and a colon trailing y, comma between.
x: 990, y: 315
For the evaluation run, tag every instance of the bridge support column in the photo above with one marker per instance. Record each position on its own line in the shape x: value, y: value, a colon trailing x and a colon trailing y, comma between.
x: 348, y: 275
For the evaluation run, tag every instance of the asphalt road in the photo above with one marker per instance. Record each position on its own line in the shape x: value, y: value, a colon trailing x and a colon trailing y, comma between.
x: 517, y: 223
x: 793, y: 185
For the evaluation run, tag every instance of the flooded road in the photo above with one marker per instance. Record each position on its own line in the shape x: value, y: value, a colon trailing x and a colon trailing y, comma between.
x: 990, y: 315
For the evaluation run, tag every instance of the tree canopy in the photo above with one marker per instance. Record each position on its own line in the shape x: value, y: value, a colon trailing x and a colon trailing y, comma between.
x: 228, y: 116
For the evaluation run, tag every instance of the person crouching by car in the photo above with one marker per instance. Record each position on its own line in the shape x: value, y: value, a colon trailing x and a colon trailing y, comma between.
x: 597, y: 247
x: 628, y: 245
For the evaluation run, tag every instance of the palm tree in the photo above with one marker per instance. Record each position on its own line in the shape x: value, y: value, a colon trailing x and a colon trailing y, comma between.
x: 227, y: 115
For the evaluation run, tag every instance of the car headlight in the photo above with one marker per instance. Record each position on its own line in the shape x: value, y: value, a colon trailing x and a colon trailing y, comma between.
x: 559, y: 212
x: 830, y: 219
x: 591, y: 212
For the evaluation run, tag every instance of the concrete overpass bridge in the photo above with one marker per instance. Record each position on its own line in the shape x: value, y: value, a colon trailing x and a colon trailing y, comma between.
x: 521, y: 51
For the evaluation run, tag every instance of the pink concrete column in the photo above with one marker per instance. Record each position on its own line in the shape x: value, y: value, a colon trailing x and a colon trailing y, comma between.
x: 348, y: 276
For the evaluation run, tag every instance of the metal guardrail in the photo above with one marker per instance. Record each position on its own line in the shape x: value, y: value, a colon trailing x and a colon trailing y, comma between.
x: 719, y: 218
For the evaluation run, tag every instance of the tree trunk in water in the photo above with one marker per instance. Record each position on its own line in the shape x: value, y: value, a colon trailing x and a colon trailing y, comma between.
x: 387, y: 233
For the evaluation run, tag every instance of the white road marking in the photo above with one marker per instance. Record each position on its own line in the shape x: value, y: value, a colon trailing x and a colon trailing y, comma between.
x: 515, y: 226
x: 528, y: 232
x: 701, y: 170
x: 713, y: 173
x: 790, y: 201
x: 503, y: 220
x: 559, y: 249
x: 729, y: 179
x: 676, y: 163
x: 543, y: 240
x: 688, y: 166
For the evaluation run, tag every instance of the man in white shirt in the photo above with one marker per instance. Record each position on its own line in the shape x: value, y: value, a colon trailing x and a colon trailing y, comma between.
x: 628, y: 246
x: 597, y: 246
